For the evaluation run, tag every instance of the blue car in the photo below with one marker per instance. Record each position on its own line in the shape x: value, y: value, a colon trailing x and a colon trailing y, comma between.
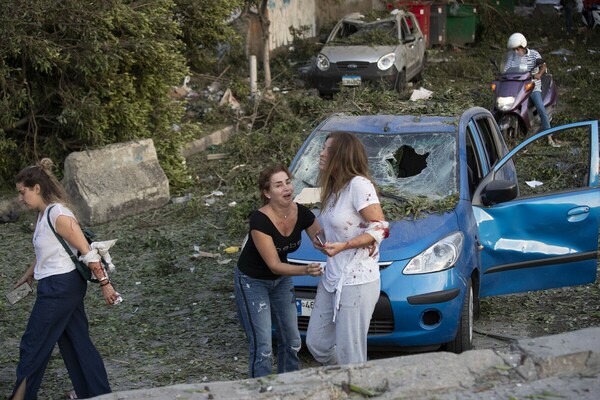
x: 469, y: 219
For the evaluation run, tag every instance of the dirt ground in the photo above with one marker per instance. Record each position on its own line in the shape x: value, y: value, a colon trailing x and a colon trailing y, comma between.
x: 178, y: 324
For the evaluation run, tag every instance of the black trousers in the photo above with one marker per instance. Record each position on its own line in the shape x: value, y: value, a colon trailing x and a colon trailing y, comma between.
x: 58, y: 316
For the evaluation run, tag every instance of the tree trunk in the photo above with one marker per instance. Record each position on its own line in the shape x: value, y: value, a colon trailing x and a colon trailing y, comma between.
x: 265, y: 23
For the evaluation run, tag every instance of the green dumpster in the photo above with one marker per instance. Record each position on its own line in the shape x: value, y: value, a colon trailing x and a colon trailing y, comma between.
x: 461, y: 23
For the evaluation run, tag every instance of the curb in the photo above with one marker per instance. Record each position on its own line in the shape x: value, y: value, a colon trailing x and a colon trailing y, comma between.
x: 217, y: 137
x: 568, y: 362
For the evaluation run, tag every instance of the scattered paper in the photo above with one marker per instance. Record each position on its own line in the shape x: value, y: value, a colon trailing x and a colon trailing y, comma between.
x: 534, y: 184
x: 206, y: 254
x: 420, y: 94
x: 562, y: 52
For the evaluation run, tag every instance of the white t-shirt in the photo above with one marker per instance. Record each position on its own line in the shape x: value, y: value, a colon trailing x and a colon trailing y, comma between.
x: 342, y: 222
x: 51, y: 257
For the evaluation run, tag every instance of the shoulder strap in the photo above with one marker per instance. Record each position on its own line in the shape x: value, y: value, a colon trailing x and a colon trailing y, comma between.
x: 85, y: 272
x: 61, y: 240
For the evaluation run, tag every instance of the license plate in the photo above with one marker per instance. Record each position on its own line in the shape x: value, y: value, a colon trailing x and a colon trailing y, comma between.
x: 351, y: 80
x: 305, y: 307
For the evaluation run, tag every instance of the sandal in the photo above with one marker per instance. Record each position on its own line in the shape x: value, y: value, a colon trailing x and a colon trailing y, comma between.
x: 553, y: 143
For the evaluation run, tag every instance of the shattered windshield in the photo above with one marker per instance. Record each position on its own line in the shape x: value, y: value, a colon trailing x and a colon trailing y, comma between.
x: 380, y: 33
x: 403, y: 166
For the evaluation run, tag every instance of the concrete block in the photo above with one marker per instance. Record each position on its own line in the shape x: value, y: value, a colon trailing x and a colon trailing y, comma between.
x: 11, y: 209
x: 217, y: 137
x: 476, y: 374
x: 116, y: 181
x: 527, y: 370
x: 564, y: 353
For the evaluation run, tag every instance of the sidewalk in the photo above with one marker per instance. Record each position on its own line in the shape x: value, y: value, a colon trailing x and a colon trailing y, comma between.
x: 560, y: 366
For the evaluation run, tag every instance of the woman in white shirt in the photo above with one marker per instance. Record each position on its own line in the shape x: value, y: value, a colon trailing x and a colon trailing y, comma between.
x: 354, y: 226
x: 58, y: 315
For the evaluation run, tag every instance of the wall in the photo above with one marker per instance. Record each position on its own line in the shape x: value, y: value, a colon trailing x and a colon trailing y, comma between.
x: 329, y: 11
x: 286, y: 13
x: 314, y: 13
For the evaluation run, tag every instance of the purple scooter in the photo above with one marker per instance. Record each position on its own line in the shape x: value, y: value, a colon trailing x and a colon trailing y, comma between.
x: 513, y: 110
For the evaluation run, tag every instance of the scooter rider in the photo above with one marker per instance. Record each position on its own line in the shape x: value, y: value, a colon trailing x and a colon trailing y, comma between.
x: 527, y: 58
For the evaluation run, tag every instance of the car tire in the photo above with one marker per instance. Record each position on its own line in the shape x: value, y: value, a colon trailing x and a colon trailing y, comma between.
x: 401, y: 82
x: 463, y: 340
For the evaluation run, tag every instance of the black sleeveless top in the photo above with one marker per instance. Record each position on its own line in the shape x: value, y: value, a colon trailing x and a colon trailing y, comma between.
x: 250, y: 261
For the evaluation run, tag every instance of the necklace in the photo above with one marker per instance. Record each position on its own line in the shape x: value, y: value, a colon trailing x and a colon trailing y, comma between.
x: 279, y: 216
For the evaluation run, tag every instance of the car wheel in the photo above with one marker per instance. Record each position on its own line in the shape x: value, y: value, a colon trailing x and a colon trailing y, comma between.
x: 463, y: 340
x: 401, y: 81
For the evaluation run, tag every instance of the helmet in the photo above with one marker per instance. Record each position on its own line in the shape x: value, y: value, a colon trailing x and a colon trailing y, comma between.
x: 516, y: 40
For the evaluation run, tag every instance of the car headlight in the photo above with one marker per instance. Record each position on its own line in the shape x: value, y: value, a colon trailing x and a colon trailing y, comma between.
x: 322, y: 62
x: 438, y: 257
x: 386, y: 61
x: 505, y: 103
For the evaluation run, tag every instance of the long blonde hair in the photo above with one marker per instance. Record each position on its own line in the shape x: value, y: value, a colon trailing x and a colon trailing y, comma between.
x: 346, y: 159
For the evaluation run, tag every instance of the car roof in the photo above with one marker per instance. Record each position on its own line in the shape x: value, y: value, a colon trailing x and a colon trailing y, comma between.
x: 389, y: 124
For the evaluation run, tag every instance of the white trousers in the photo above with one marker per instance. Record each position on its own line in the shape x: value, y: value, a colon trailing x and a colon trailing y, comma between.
x: 345, y: 340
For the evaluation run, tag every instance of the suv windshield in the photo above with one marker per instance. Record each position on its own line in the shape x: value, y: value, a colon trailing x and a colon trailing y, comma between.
x: 405, y: 166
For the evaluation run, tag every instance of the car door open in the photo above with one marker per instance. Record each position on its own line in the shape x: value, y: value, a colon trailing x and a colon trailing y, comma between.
x: 547, y: 235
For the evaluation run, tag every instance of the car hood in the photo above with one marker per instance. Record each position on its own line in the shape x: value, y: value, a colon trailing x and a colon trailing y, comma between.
x: 407, y: 238
x: 356, y: 53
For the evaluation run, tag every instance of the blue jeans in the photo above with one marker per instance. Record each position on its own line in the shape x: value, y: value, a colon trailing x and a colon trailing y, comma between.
x: 536, y: 97
x: 262, y: 303
x: 569, y: 17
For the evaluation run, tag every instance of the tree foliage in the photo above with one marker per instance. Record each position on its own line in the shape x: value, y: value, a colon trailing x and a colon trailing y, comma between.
x: 205, y: 29
x: 77, y: 74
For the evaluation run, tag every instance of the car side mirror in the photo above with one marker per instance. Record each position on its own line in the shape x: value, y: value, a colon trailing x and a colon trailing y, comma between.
x: 499, y: 191
x: 323, y: 37
x: 409, y: 38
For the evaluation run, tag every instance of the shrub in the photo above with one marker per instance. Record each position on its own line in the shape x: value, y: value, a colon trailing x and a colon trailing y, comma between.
x: 83, y: 74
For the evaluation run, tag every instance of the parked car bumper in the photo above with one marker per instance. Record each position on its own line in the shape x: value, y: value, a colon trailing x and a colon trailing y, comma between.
x: 330, y: 81
x: 406, y: 316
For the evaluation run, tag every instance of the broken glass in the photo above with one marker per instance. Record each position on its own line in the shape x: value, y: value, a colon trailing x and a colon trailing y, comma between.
x: 404, y: 166
x: 380, y: 33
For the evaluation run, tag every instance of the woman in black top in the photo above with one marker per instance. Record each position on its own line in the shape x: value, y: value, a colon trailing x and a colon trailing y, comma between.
x: 264, y: 291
